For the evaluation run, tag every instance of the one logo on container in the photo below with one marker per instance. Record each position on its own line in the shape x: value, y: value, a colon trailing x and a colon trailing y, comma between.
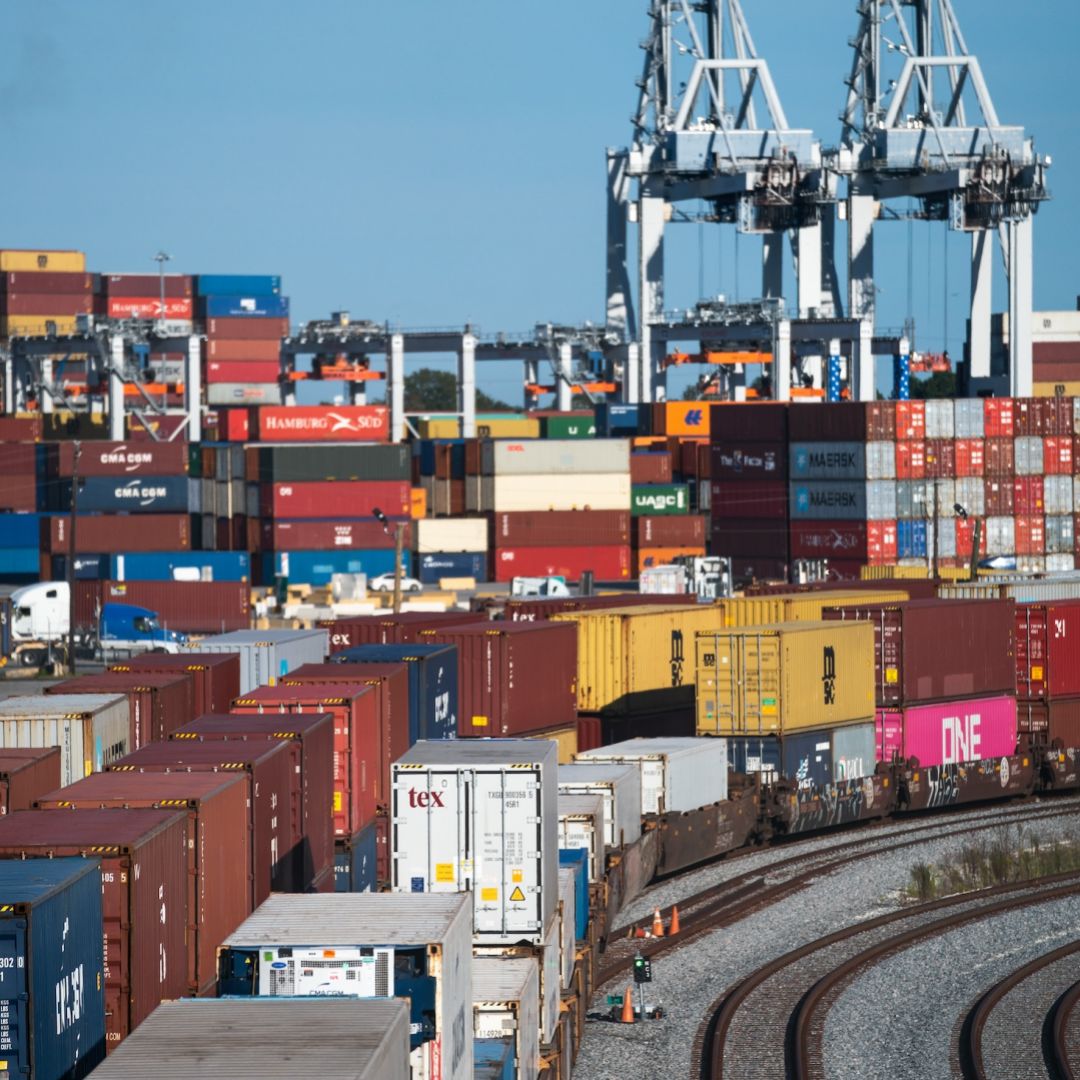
x: 961, y: 739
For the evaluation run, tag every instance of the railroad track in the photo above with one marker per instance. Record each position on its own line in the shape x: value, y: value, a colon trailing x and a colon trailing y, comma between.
x: 1063, y: 1033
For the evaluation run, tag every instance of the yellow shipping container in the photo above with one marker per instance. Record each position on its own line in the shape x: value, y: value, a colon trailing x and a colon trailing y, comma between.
x: 800, y: 607
x: 439, y: 428
x: 638, y: 658
x: 566, y: 741
x: 418, y: 506
x: 36, y: 325
x: 1068, y: 388
x: 69, y: 262
x: 767, y: 680
x: 508, y: 429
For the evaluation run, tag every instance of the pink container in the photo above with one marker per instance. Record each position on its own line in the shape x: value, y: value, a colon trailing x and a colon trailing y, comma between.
x: 975, y: 729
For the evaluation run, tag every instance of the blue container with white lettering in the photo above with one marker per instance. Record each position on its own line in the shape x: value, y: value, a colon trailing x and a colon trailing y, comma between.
x: 87, y: 567
x: 115, y: 495
x: 238, y: 284
x: 318, y: 567
x: 438, y: 565
x: 245, y: 306
x: 51, y: 968
x: 613, y: 419
x: 181, y: 566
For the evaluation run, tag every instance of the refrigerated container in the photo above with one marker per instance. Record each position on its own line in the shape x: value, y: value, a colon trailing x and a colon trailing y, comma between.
x: 267, y: 655
x: 506, y: 1004
x: 554, y: 457
x: 442, y: 535
x: 546, y: 491
x: 582, y: 827
x: 567, y: 925
x: 27, y: 774
x: 620, y: 788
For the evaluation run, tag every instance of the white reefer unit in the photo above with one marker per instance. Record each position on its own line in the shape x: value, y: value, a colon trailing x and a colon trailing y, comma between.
x: 568, y: 925
x: 268, y: 655
x: 366, y: 945
x: 620, y: 787
x: 92, y: 730
x: 581, y: 825
x: 677, y: 774
x: 506, y: 1005
x: 481, y: 815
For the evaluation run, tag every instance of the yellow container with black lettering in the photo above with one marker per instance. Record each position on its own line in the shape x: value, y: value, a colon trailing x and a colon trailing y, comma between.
x: 66, y: 262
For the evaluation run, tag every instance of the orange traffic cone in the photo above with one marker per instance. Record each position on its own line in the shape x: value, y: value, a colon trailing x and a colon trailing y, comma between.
x: 673, y: 928
x: 657, y: 923
x: 639, y: 933
x: 628, y: 1006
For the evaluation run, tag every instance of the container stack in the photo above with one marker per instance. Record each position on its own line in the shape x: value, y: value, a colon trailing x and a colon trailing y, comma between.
x: 451, y: 548
x: 44, y: 292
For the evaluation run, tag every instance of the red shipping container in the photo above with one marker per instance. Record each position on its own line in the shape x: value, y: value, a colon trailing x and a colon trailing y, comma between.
x: 175, y: 285
x: 539, y: 610
x: 325, y: 499
x: 160, y: 704
x: 911, y: 460
x: 1058, y: 455
x: 47, y: 305
x: 241, y: 349
x: 558, y: 528
x: 910, y: 421
x: 974, y: 729
x: 219, y: 893
x: 26, y: 774
x: 965, y: 537
x: 361, y: 764
x: 1054, y: 723
x: 1000, y: 457
x: 675, y: 530
x: 144, y: 892
x: 970, y: 457
x: 215, y: 676
x: 750, y: 536
x: 999, y: 496
x: 1028, y: 496
x: 149, y: 307
x: 240, y: 371
x: 1030, y: 535
x: 940, y: 459
x: 274, y: 819
x: 998, y: 418
x: 606, y: 563
x: 1048, y: 650
x: 107, y: 534
x: 247, y: 329
x: 589, y: 733
x: 401, y: 629
x: 748, y: 461
x: 20, y: 429
x: 650, y: 468
x: 234, y: 425
x: 322, y: 423
x: 48, y: 281
x: 505, y: 690
x: 313, y: 735
x: 207, y: 607
x: 335, y: 534
x: 750, y: 499
x: 18, y: 476
x: 119, y: 459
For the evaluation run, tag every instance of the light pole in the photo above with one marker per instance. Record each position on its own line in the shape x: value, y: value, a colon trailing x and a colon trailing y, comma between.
x: 399, y: 548
x: 161, y: 258
x: 976, y: 539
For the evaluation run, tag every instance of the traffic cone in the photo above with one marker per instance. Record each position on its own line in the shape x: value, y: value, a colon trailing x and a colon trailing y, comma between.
x: 628, y: 1006
x: 673, y: 929
x: 657, y: 923
x: 639, y: 933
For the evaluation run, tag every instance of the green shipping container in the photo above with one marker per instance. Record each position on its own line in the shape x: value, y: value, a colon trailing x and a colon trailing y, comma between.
x: 569, y: 427
x: 646, y: 499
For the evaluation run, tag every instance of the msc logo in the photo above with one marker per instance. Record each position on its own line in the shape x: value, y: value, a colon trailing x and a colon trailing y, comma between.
x: 828, y: 675
x: 677, y: 658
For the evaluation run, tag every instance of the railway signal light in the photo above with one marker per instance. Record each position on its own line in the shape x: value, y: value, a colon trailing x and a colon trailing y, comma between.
x: 642, y: 970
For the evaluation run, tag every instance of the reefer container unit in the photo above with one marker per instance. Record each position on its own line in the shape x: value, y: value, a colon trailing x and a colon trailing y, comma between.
x: 513, y: 678
x: 219, y: 853
x: 1047, y: 650
x: 253, y: 1040
x: 367, y: 945
x: 52, y: 1004
x: 215, y: 676
x: 635, y: 659
x: 548, y: 491
x: 26, y: 775
x: 554, y: 457
x: 950, y: 733
x: 676, y: 774
x: 934, y: 650
x: 567, y: 924
x: 92, y: 730
x: 763, y: 680
x: 143, y: 856
x: 444, y: 535
x: 620, y: 788
x: 393, y: 629
x: 481, y: 816
x: 555, y: 528
x: 506, y: 1002
x: 313, y: 735
x: 301, y: 463
x: 268, y: 655
x: 582, y: 827
x: 273, y: 818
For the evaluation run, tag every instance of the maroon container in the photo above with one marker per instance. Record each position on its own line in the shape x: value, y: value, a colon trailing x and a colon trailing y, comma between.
x: 559, y: 528
x: 160, y: 704
x: 274, y: 819
x: 912, y: 663
x: 325, y: 499
x: 1028, y: 494
x: 110, y: 534
x: 199, y: 607
x: 144, y: 892
x: 47, y: 304
x: 119, y: 459
x: 534, y: 610
x: 27, y: 774
x: 675, y: 530
x: 60, y: 282
x: 1050, y: 723
x: 746, y: 569
x: 219, y: 856
x: 515, y: 678
x: 215, y: 676
x: 999, y: 495
x: 124, y: 285
x: 940, y: 459
x: 335, y: 535
x: 841, y: 421
x: 18, y: 476
x: 829, y: 540
x: 392, y: 629
x: 1048, y: 650
x: 766, y: 422
x: 589, y: 732
x: 750, y: 499
x: 20, y: 429
x: 650, y: 468
x: 241, y: 329
x: 313, y: 735
x: 748, y: 461
x: 750, y: 536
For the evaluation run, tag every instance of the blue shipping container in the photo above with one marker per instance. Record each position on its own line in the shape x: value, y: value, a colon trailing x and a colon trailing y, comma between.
x: 425, y: 450
x: 238, y: 284
x: 805, y: 758
x: 612, y: 419
x: 577, y: 859
x: 494, y: 1059
x: 354, y: 862
x: 162, y: 566
x: 146, y: 495
x: 52, y: 1001
x: 87, y: 567
x: 317, y: 567
x: 245, y: 307
x: 433, y: 684
x: 453, y: 564
x: 911, y: 539
x: 19, y: 561
x: 20, y: 530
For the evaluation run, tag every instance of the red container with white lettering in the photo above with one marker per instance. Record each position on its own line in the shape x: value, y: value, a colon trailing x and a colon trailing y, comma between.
x: 322, y: 423
x: 968, y: 730
x: 970, y: 457
x: 1058, y: 455
x: 998, y: 418
x: 911, y: 459
x: 240, y: 371
x: 330, y: 498
x: 606, y: 563
x: 1030, y: 532
x: 910, y: 420
x: 118, y: 459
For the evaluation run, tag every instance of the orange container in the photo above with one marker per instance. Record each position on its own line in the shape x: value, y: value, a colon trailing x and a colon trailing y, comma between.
x: 243, y: 350
x: 418, y: 504
x: 680, y: 418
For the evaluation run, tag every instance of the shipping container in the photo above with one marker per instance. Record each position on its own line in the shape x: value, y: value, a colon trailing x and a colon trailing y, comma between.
x: 1060, y: 537
x: 605, y: 563
x: 756, y: 422
x: 911, y: 460
x: 187, y: 606
x: 388, y: 629
x: 247, y: 329
x: 752, y: 536
x: 513, y: 457
x: 582, y: 827
x: 149, y: 494
x: 940, y: 459
x: 767, y: 679
x: 67, y: 262
x: 108, y: 534
x: 243, y: 394
x: 268, y: 655
x: 620, y: 788
x: 869, y: 541
x: 340, y: 1039
x: 329, y: 535
x: 676, y: 774
x: 577, y: 862
x: 215, y: 676
x: 601, y: 528
x: 567, y: 923
x: 550, y: 492
x: 219, y: 856
x: 1053, y: 724
x: 650, y: 467
x: 481, y: 816
x: 843, y: 499
x: 355, y: 861
x: 939, y: 418
x: 654, y: 499
x: 242, y: 306
x: 52, y: 1022
x: 26, y: 775
x: 998, y: 417
x: 439, y: 536
x: 831, y: 461
x: 237, y: 285
x: 431, y: 569
x: 118, y: 459
x: 329, y: 423
x: 310, y: 499
x: 318, y: 568
x: 806, y: 606
x: 143, y: 859
x: 748, y: 461
x: 967, y: 730
x: 506, y: 1006
x: 968, y: 418
x: 1047, y: 660
x: 366, y: 945
x: 673, y: 531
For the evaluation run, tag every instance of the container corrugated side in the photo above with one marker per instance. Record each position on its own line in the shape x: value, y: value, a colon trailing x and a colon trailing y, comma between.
x: 435, y: 535
x: 588, y: 491
x: 26, y: 775
x: 581, y: 826
x: 506, y: 1001
x: 516, y: 457
x: 620, y: 788
x: 567, y: 926
x: 799, y: 607
x: 267, y: 655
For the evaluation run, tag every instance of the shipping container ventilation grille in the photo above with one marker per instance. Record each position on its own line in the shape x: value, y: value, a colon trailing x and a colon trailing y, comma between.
x: 282, y: 982
x: 382, y: 974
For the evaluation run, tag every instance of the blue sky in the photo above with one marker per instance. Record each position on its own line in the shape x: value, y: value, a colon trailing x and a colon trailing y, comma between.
x: 431, y: 163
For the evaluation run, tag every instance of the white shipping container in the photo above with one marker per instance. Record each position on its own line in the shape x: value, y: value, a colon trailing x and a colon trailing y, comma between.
x: 945, y: 491
x: 567, y: 926
x: 911, y: 500
x: 939, y: 418
x: 506, y: 1004
x: 1059, y: 534
x: 436, y: 535
x: 1060, y: 563
x: 533, y: 457
x: 481, y: 815
x: 1000, y: 536
x: 268, y: 655
x: 969, y: 418
x: 677, y: 774
x: 971, y: 495
x: 1028, y: 452
x: 357, y: 945
x: 946, y: 538
x: 1031, y: 564
x: 92, y: 730
x: 704, y: 495
x: 620, y: 786
x: 581, y: 825
x: 243, y: 394
x: 881, y: 461
x: 1058, y: 494
x: 586, y: 491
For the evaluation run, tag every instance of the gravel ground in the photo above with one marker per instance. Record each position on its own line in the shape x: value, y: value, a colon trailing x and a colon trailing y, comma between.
x: 909, y: 1007
x: 689, y: 981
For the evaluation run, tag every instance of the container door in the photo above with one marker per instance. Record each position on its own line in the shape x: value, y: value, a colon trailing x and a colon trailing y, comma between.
x: 14, y: 1022
x: 432, y: 843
